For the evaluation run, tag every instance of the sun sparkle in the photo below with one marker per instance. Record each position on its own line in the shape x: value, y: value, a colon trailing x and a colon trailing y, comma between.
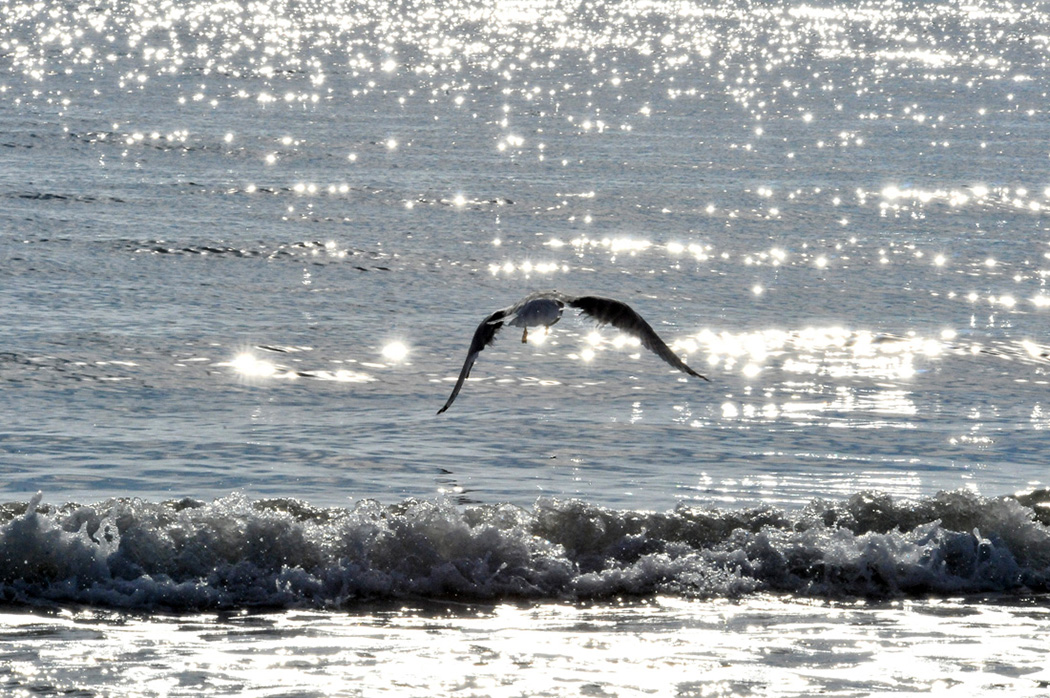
x: 247, y: 364
x: 395, y: 351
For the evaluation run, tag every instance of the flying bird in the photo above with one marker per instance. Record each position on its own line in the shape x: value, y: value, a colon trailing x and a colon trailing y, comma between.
x: 544, y: 308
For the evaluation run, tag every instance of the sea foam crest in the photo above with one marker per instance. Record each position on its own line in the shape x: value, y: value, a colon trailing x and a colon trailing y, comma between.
x: 236, y: 552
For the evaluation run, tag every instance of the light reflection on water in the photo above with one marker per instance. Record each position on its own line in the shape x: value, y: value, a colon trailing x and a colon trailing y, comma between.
x: 719, y: 647
x: 837, y: 216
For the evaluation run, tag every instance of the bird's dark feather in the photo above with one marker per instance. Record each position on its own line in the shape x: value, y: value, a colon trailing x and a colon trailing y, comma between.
x: 483, y: 336
x: 607, y: 311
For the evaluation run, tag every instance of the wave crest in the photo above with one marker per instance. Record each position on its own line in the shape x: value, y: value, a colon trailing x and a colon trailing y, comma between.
x: 236, y: 552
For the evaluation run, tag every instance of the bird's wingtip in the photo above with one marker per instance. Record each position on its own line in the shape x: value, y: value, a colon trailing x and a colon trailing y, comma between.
x: 694, y: 374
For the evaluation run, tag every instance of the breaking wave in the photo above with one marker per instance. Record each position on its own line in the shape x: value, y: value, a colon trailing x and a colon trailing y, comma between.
x: 241, y: 553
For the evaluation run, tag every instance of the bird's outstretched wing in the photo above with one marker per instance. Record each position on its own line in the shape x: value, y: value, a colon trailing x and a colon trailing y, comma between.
x: 483, y: 336
x: 623, y: 317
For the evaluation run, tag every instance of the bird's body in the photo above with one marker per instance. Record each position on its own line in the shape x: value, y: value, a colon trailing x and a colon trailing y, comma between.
x: 537, y: 310
x: 544, y: 308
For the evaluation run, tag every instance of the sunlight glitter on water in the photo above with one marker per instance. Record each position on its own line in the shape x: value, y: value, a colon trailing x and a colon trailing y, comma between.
x: 395, y: 351
x: 248, y: 365
x: 780, y: 195
x: 733, y: 647
x: 828, y: 351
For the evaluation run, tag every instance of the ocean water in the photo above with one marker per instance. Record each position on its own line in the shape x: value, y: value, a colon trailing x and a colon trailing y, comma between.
x: 244, y: 247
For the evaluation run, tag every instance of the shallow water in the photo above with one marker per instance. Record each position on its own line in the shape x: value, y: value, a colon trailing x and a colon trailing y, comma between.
x: 243, y: 248
x: 662, y: 647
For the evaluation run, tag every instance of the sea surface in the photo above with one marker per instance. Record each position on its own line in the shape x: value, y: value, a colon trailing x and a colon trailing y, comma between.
x: 244, y: 246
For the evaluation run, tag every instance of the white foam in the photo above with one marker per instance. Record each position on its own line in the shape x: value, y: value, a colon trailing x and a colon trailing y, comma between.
x: 236, y: 552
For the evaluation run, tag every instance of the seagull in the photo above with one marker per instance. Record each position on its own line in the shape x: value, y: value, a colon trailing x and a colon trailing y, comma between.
x: 544, y: 308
